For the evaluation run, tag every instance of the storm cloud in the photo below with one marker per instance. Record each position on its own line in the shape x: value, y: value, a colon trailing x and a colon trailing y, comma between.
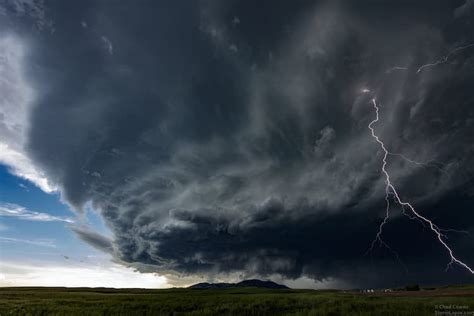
x: 212, y: 146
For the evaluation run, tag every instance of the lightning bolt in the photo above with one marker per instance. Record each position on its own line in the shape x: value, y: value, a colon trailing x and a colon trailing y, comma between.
x: 441, y: 60
x: 378, y: 237
x: 414, y: 214
x: 432, y: 163
x: 445, y: 59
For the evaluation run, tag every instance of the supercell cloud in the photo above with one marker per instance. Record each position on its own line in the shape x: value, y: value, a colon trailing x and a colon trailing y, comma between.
x: 219, y: 138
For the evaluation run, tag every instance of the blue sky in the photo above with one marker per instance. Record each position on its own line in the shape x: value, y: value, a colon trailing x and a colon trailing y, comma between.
x: 19, y: 192
x: 36, y: 252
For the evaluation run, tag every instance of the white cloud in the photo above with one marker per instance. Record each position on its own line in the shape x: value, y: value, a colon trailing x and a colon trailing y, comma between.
x: 17, y: 211
x: 37, y: 242
x: 54, y: 274
x: 21, y: 166
x: 16, y: 98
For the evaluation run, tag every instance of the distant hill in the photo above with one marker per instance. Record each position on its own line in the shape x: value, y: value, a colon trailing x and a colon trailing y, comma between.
x: 245, y: 283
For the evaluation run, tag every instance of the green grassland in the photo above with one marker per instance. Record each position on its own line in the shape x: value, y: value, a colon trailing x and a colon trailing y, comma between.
x: 236, y: 301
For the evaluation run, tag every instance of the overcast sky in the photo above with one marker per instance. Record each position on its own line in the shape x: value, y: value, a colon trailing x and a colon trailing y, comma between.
x: 160, y: 143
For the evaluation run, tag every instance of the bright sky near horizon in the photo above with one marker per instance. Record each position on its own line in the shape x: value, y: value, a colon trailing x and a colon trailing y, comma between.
x: 38, y: 249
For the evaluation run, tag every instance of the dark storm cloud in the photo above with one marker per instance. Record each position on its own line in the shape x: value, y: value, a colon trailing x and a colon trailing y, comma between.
x: 98, y: 241
x: 464, y: 10
x: 212, y: 146
x: 33, y: 11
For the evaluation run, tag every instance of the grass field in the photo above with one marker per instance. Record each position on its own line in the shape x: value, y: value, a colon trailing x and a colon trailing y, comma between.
x: 242, y: 301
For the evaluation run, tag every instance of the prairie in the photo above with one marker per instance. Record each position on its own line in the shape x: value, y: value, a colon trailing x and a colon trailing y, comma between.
x: 241, y: 301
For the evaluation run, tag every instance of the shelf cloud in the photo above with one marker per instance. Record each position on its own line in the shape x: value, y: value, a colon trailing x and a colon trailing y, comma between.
x: 213, y: 147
